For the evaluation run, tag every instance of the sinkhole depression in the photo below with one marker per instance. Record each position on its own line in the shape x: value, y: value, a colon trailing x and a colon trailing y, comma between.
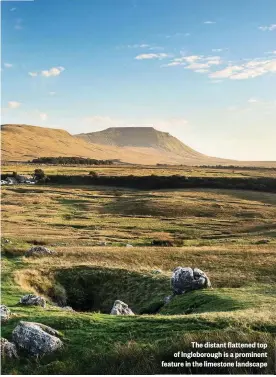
x: 94, y: 289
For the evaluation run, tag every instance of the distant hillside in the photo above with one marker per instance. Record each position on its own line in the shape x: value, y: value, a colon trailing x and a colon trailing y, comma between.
x: 25, y: 142
x: 148, y: 137
x: 141, y: 137
x: 134, y: 145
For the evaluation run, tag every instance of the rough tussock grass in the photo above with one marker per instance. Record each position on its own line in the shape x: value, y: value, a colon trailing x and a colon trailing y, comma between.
x: 241, y: 307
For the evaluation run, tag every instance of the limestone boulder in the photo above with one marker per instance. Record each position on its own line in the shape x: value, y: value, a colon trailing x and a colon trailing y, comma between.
x: 39, y: 251
x: 33, y: 300
x: 5, y: 313
x: 8, y: 350
x: 121, y: 308
x: 36, y: 338
x: 186, y: 279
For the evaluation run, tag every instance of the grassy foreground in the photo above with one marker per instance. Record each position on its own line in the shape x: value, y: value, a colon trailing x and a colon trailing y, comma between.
x: 222, y: 232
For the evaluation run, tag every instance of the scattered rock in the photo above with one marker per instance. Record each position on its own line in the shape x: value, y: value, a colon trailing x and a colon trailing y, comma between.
x: 261, y: 242
x: 185, y: 279
x: 8, y: 349
x: 5, y: 313
x: 36, y: 338
x: 33, y: 300
x: 120, y: 308
x: 7, y: 241
x: 129, y: 245
x: 38, y: 251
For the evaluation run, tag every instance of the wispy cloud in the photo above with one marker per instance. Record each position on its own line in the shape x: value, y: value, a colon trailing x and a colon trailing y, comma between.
x: 197, y: 63
x: 137, y: 45
x: 43, y: 116
x: 8, y: 65
x: 18, y: 24
x: 13, y: 9
x: 209, y: 22
x: 55, y: 71
x: 251, y: 69
x: 159, y: 56
x: 175, y: 35
x: 252, y: 100
x: 146, y: 46
x: 268, y: 28
x: 13, y: 104
x: 52, y: 93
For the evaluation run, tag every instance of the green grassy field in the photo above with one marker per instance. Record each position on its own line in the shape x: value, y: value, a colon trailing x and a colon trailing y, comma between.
x: 229, y: 234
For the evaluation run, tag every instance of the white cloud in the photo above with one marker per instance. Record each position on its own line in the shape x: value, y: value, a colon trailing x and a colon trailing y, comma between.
x: 43, y: 116
x: 55, y: 71
x: 197, y: 63
x: 253, y: 100
x: 251, y: 69
x: 12, y: 9
x: 209, y: 22
x: 142, y: 45
x: 245, y: 70
x: 217, y: 49
x: 226, y: 72
x: 152, y: 56
x: 13, y: 104
x: 268, y: 28
x: 52, y: 93
x: 8, y: 65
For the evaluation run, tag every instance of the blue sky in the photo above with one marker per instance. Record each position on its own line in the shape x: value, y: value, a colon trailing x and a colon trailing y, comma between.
x: 203, y: 70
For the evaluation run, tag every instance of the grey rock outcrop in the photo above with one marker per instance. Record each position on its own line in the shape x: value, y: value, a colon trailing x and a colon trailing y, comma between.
x: 39, y: 251
x: 8, y: 349
x: 33, y: 300
x: 5, y: 313
x: 121, y: 308
x: 185, y: 279
x: 36, y: 338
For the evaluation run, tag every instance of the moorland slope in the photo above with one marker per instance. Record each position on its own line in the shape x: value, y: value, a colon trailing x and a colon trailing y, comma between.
x: 131, y: 145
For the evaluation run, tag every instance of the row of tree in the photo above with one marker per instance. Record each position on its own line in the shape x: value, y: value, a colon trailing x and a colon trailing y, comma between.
x: 70, y: 161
